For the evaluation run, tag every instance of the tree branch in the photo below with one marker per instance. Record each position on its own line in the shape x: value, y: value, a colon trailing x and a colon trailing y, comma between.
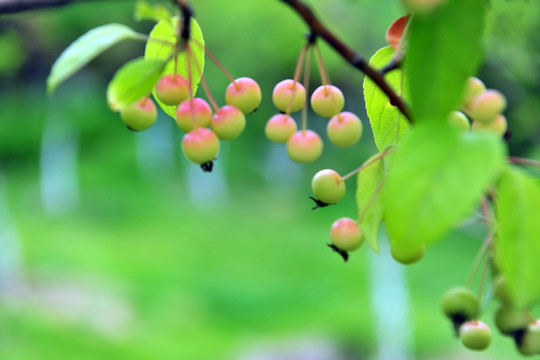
x: 353, y: 58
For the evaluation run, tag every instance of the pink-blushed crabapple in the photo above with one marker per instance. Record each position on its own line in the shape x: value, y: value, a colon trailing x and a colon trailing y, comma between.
x: 140, y: 115
x: 289, y: 92
x: 473, y: 88
x: 487, y: 106
x: 346, y: 235
x: 395, y: 31
x: 172, y: 89
x: 327, y: 100
x: 498, y: 126
x: 459, y: 120
x: 328, y: 186
x: 228, y: 122
x: 200, y: 145
x: 344, y: 129
x: 244, y: 94
x: 475, y: 335
x: 280, y: 128
x: 305, y: 146
x: 407, y: 254
x: 193, y: 113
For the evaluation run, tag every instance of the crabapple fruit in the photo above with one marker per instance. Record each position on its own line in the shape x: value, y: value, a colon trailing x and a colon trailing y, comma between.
x: 304, y: 146
x: 328, y: 186
x: 245, y: 94
x: 459, y: 120
x: 409, y: 254
x: 289, y: 92
x: 500, y: 289
x: 193, y: 113
x: 200, y: 145
x: 460, y: 304
x: 487, y: 106
x: 475, y: 335
x: 473, y: 88
x: 498, y: 126
x: 530, y: 342
x: 140, y: 115
x: 172, y: 89
x: 510, y: 320
x: 327, y: 100
x: 346, y: 235
x: 280, y: 128
x: 344, y: 129
x: 395, y: 31
x: 228, y: 122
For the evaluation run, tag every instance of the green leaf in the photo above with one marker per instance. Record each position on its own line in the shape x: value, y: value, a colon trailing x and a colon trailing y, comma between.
x: 370, y: 182
x: 438, y: 177
x: 161, y: 46
x: 133, y: 81
x: 517, y: 242
x: 387, y: 123
x: 146, y: 11
x: 84, y: 49
x: 444, y: 50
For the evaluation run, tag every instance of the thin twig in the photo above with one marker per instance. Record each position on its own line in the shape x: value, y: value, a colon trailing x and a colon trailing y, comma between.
x: 524, y: 161
x: 353, y: 58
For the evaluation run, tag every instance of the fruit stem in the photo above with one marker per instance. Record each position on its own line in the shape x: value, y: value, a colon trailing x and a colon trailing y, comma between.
x: 477, y: 260
x: 325, y: 79
x: 190, y: 54
x: 307, y: 71
x: 209, y: 94
x: 484, y: 271
x: 218, y: 64
x: 524, y: 161
x: 376, y: 158
x: 298, y: 67
x: 190, y: 86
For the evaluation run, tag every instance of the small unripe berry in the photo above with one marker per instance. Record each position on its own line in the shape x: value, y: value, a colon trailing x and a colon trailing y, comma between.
x: 475, y: 335
x: 140, y: 115
x: 487, y: 106
x: 395, y: 31
x: 530, y: 342
x: 498, y: 126
x: 304, y: 146
x: 328, y: 186
x: 346, y: 235
x: 460, y: 304
x: 280, y: 128
x: 407, y: 254
x: 288, y: 91
x: 172, y: 89
x: 509, y: 320
x: 327, y: 100
x: 200, y: 145
x: 459, y: 120
x: 473, y: 88
x: 244, y: 94
x: 344, y: 129
x: 193, y: 113
x: 228, y: 122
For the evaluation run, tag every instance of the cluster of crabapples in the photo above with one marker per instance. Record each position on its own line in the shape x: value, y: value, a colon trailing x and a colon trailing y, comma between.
x: 481, y: 109
x: 194, y: 116
x: 305, y: 146
x: 462, y: 307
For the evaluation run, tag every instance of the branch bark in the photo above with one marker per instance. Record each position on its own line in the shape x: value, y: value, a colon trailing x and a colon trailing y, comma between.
x: 352, y: 57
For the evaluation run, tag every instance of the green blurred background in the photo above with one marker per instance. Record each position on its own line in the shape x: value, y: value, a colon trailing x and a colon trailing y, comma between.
x: 113, y: 246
